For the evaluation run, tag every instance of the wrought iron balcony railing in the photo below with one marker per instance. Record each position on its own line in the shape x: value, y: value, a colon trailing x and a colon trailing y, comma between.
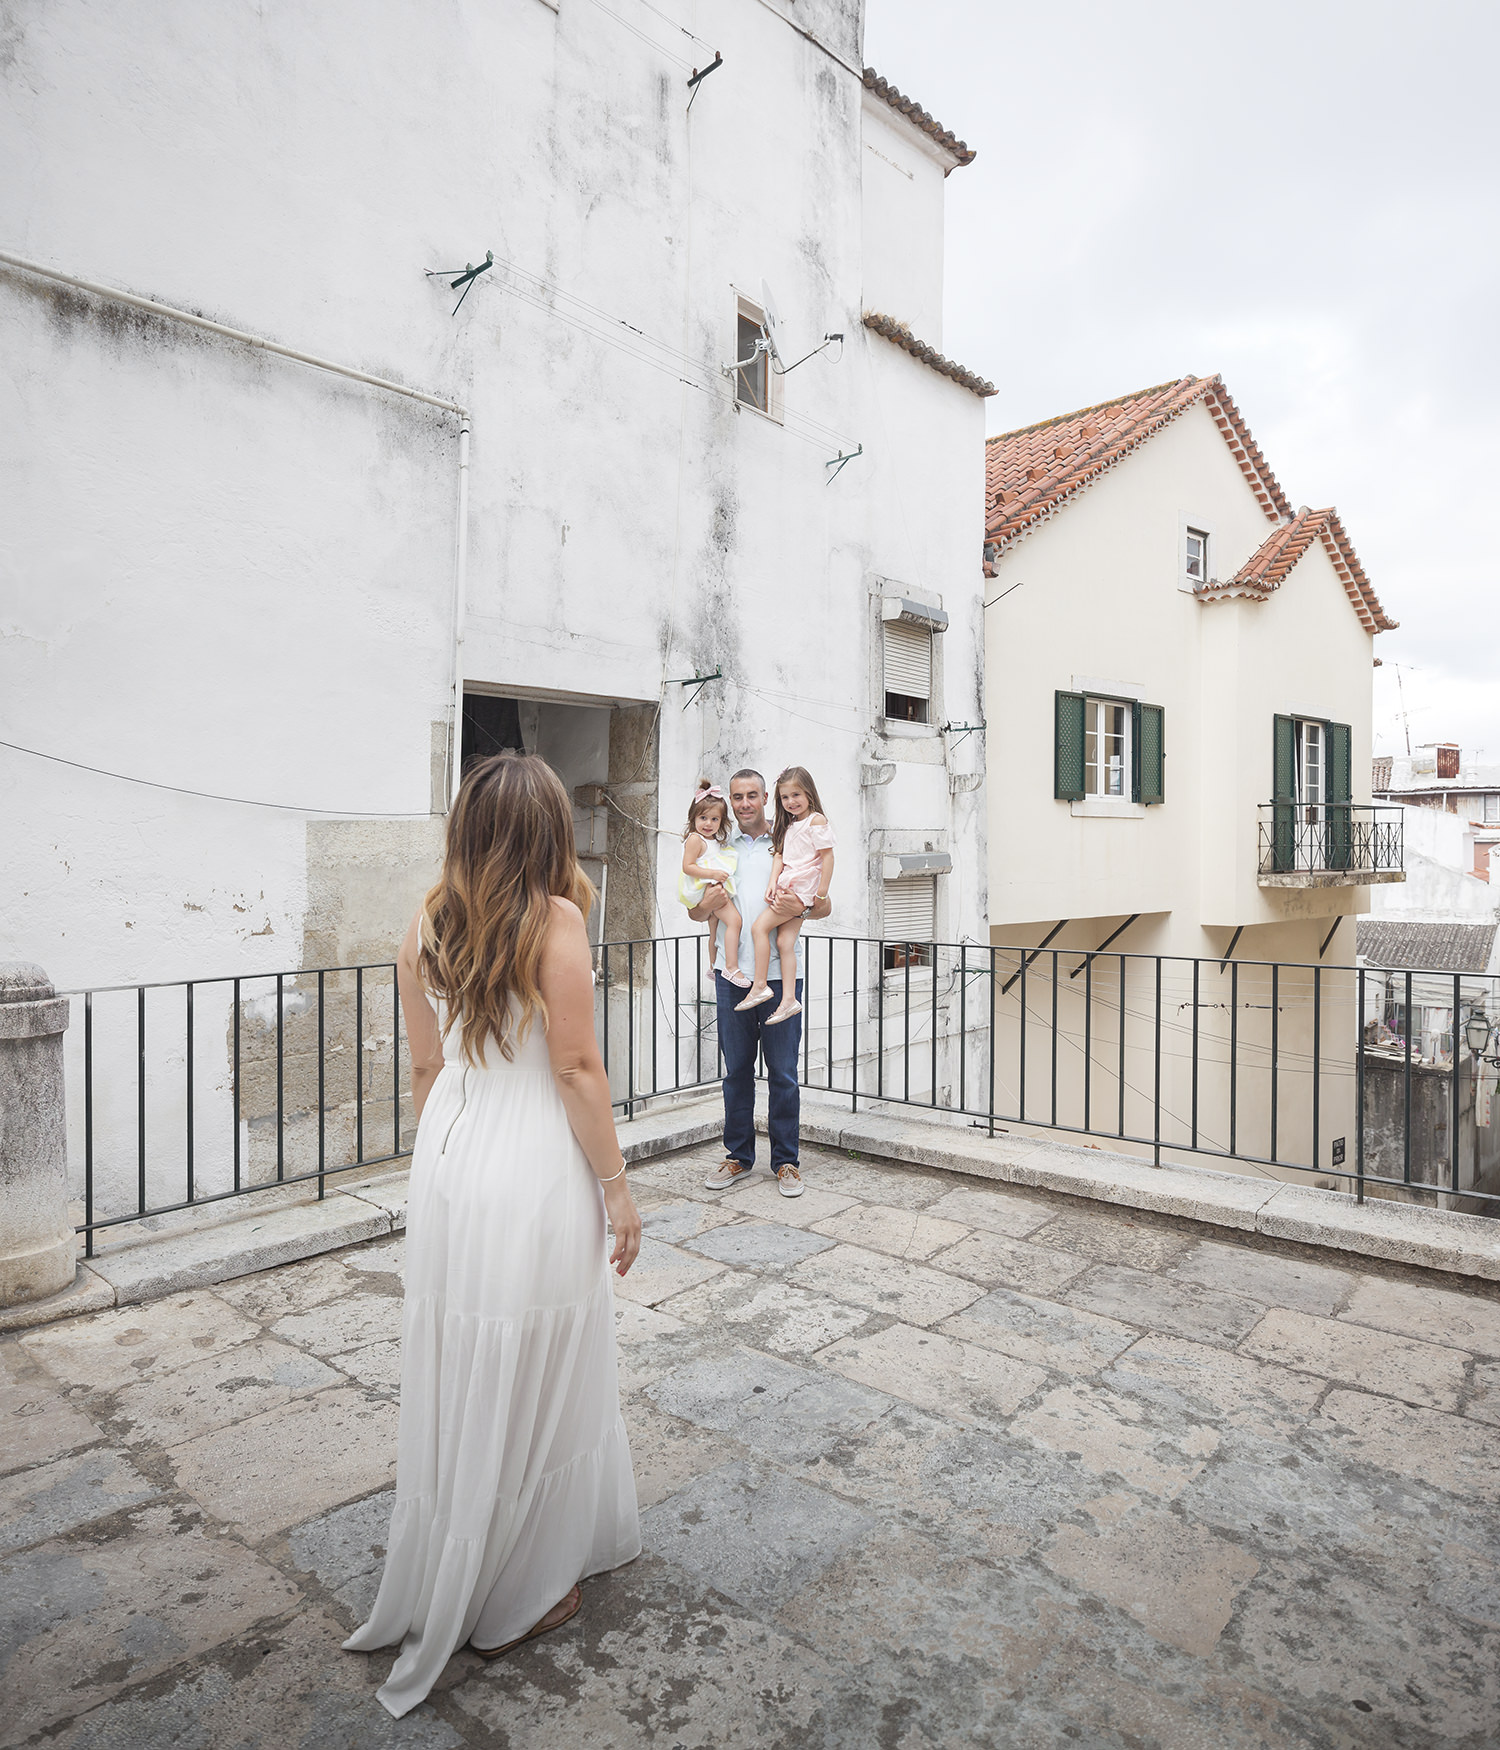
x: 1329, y: 843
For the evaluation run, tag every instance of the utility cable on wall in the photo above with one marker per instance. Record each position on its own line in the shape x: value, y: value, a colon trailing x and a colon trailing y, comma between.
x: 214, y: 796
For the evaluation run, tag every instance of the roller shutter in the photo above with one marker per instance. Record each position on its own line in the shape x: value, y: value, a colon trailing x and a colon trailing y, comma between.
x: 908, y: 659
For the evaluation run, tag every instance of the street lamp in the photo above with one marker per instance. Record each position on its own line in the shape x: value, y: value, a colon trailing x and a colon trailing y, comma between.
x: 1477, y: 1031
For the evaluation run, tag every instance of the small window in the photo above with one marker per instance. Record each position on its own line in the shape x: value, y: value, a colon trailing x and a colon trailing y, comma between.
x: 752, y: 373
x: 908, y: 671
x: 1106, y: 748
x: 1197, y: 556
x: 909, y: 922
x: 1492, y: 808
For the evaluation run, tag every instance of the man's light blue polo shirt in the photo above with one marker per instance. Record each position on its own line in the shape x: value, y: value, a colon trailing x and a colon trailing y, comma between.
x: 752, y: 877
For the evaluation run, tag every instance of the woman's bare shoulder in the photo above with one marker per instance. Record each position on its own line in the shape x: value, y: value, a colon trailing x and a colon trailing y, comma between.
x: 564, y: 911
x: 411, y: 943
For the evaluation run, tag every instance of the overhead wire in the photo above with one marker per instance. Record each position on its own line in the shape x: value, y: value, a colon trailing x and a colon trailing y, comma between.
x: 641, y: 36
x: 543, y: 295
x: 215, y: 796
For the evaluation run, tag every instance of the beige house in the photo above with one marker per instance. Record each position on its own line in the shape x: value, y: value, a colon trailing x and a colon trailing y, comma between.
x: 1178, y: 702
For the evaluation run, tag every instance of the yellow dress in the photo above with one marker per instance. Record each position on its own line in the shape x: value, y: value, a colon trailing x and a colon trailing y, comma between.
x: 716, y: 856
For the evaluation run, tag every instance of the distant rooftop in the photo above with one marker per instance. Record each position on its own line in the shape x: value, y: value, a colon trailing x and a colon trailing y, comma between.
x: 1428, y: 947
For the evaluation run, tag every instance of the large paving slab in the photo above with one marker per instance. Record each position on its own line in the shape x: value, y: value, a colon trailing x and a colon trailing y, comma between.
x: 922, y: 1463
x: 883, y: 1284
x: 1417, y: 1373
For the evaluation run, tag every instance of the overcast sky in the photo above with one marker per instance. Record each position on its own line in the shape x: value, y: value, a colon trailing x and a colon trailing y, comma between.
x: 1300, y: 196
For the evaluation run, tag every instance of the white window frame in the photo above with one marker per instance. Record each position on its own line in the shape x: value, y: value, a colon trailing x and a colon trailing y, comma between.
x: 1192, y: 537
x: 893, y: 604
x: 1093, y: 726
x: 1192, y: 525
x: 747, y: 311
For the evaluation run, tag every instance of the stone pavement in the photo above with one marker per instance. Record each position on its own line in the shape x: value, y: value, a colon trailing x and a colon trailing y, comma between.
x: 920, y: 1462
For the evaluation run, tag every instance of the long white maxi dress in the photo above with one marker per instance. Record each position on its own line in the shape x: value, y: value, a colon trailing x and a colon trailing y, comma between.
x: 513, y: 1476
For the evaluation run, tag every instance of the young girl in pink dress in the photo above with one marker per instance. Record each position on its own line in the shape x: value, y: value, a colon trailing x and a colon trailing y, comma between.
x: 801, y: 869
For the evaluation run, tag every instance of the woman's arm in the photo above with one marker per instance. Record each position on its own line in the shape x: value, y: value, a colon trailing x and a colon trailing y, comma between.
x: 422, y: 1034
x: 568, y: 990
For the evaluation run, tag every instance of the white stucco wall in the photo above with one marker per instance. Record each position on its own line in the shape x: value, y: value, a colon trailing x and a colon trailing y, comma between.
x: 903, y: 197
x: 232, y: 574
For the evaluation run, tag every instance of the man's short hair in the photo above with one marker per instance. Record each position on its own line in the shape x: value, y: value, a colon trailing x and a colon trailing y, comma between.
x: 748, y: 772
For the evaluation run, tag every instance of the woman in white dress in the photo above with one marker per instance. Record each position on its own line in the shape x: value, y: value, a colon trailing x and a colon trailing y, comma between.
x: 513, y: 1477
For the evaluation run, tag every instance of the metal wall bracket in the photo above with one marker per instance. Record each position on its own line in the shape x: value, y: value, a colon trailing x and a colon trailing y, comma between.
x: 837, y: 463
x: 466, y: 278
x: 697, y: 682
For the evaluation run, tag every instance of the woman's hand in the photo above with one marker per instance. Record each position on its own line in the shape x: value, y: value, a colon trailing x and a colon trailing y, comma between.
x: 625, y: 1220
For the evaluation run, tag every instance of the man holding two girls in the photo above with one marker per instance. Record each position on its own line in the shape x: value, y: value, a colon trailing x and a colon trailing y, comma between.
x: 775, y: 879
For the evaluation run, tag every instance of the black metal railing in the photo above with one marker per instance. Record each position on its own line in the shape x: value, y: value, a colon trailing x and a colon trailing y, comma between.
x: 186, y: 1094
x: 1330, y: 838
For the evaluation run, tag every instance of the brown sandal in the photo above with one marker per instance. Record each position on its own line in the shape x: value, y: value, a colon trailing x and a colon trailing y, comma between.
x: 575, y: 1601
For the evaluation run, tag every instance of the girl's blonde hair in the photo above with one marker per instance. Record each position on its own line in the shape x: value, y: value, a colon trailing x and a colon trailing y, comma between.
x: 802, y: 778
x: 695, y: 808
x: 510, y: 850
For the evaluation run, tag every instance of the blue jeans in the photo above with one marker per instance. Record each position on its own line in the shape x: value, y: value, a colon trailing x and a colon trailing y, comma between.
x: 739, y: 1037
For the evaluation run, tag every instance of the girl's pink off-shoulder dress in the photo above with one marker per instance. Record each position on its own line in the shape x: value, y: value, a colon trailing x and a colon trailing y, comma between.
x: 801, y: 865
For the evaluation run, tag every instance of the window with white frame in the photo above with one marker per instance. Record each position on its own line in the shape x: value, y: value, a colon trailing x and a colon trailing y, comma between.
x: 908, y: 921
x: 1310, y: 768
x: 1106, y: 747
x: 1195, y: 556
x: 1492, y: 807
x: 752, y: 369
x: 907, y: 656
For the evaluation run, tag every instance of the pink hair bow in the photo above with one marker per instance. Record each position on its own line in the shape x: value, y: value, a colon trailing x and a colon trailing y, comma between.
x: 712, y: 790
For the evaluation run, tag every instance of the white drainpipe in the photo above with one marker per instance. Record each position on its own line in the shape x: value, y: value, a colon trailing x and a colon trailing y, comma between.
x: 460, y: 594
x: 461, y: 555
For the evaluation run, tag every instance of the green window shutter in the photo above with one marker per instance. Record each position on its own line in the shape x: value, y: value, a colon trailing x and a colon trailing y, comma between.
x: 1283, y: 794
x: 1340, y: 773
x: 1284, y: 762
x: 1150, y: 753
x: 1339, y: 778
x: 1067, y: 761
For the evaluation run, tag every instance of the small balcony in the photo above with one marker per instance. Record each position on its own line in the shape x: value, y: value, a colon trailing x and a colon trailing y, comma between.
x: 1329, y: 844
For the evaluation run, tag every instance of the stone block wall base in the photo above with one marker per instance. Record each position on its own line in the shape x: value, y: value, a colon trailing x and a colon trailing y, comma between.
x: 37, y: 1271
x: 86, y: 1293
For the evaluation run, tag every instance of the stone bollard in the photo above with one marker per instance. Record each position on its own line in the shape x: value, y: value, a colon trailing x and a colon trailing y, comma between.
x: 37, y: 1243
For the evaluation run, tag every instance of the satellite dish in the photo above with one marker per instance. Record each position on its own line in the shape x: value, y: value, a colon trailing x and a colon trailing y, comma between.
x: 773, y: 317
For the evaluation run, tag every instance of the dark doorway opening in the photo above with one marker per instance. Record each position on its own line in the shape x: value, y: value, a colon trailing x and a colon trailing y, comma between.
x: 491, y: 725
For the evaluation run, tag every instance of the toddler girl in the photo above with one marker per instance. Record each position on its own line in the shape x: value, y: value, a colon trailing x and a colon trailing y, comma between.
x: 708, y: 859
x: 801, y: 869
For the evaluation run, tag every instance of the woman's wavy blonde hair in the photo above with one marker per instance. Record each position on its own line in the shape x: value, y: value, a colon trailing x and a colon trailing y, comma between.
x: 510, y: 851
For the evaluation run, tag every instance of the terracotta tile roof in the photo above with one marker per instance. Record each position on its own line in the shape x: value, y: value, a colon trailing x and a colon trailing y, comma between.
x: 1033, y: 472
x: 918, y: 117
x: 903, y: 337
x: 1268, y: 566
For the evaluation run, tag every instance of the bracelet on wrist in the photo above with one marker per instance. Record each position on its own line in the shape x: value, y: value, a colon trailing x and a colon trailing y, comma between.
x: 613, y: 1176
